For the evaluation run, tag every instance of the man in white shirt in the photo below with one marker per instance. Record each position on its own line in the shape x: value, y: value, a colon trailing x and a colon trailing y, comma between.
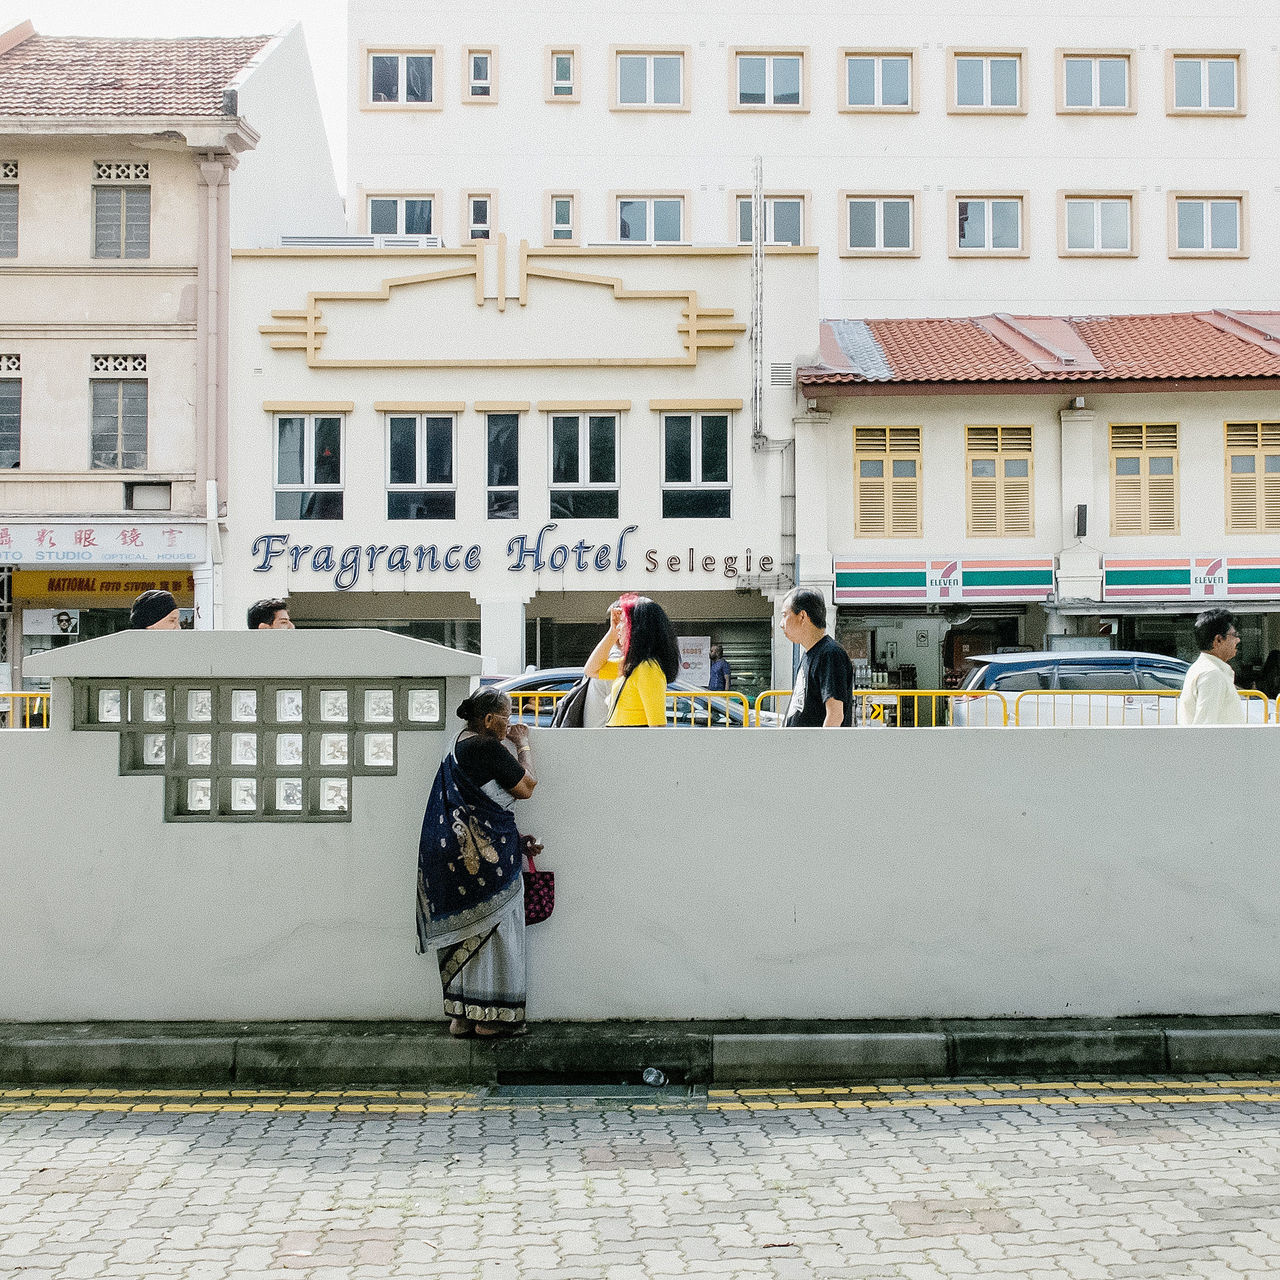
x: 1209, y: 690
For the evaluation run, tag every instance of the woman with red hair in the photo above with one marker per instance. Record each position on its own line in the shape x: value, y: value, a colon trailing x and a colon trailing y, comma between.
x: 642, y: 633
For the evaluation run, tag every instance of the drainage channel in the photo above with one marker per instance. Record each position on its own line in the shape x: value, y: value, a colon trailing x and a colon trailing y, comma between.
x: 597, y: 1097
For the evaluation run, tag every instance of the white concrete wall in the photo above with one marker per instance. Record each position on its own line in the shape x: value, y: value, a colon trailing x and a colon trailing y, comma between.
x: 522, y: 146
x: 286, y: 184
x: 749, y: 874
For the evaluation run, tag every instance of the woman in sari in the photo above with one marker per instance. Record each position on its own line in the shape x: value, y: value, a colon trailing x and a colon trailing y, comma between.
x: 470, y: 887
x: 641, y: 632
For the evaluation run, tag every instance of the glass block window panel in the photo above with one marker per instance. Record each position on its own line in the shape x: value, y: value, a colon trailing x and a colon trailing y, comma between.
x: 878, y: 80
x: 8, y: 222
x: 200, y: 749
x: 10, y: 422
x: 289, y: 705
x: 1098, y: 226
x: 379, y: 705
x: 199, y: 795
x: 503, y: 465
x: 379, y: 750
x: 119, y: 424
x: 333, y: 705
x: 122, y: 222
x: 289, y: 795
x: 244, y: 705
x: 289, y: 751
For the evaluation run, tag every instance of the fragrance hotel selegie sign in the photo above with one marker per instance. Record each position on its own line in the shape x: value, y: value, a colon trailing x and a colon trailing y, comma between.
x: 525, y: 553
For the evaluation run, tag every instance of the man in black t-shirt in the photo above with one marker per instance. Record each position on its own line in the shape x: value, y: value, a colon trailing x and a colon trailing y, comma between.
x: 823, y: 694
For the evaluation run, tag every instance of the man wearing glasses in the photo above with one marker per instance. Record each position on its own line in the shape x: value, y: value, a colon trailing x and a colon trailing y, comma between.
x: 1209, y: 691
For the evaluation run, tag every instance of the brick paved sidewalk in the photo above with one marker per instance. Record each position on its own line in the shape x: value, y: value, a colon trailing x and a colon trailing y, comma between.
x: 1070, y: 1179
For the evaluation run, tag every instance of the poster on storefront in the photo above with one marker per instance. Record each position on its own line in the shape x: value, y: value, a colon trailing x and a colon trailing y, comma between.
x: 695, y: 660
x: 51, y: 622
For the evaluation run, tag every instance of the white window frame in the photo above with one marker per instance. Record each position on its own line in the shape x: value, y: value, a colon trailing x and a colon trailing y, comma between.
x: 428, y: 196
x: 769, y: 57
x: 489, y: 84
x: 1207, y: 199
x: 649, y: 55
x: 986, y: 57
x: 879, y: 198
x: 695, y: 449
x: 584, y: 417
x: 878, y: 56
x: 1095, y: 57
x: 1097, y: 199
x: 771, y: 200
x: 308, y: 484
x: 554, y: 83
x: 988, y: 198
x: 420, y: 453
x: 553, y: 226
x: 473, y: 224
x: 619, y: 199
x: 1204, y: 57
x: 490, y: 488
x: 400, y: 103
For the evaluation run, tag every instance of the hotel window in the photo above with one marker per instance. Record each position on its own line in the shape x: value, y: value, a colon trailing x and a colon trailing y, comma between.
x: 1205, y: 226
x: 887, y: 482
x: 1252, y: 477
x: 1098, y: 224
x: 562, y: 75
x: 1206, y: 84
x: 987, y: 82
x: 999, y: 491
x: 420, y: 483
x: 988, y: 225
x: 400, y: 215
x: 8, y: 210
x: 479, y: 216
x: 406, y: 78
x: 481, y: 75
x: 584, y: 466
x: 695, y: 466
x: 877, y: 81
x: 879, y: 225
x: 10, y: 419
x: 650, y: 80
x: 651, y: 219
x: 560, y: 219
x: 770, y: 79
x: 118, y: 438
x: 502, y: 431
x: 1144, y: 478
x: 1095, y: 82
x: 309, y: 467
x: 783, y: 220
x: 121, y: 222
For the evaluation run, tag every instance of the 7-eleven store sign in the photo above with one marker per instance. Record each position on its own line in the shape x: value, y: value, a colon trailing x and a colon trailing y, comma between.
x: 902, y: 581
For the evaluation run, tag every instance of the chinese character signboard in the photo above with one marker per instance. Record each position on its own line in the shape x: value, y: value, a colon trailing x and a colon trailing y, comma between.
x: 32, y: 544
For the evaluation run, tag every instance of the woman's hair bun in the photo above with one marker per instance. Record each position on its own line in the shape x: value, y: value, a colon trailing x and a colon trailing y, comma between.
x: 466, y: 708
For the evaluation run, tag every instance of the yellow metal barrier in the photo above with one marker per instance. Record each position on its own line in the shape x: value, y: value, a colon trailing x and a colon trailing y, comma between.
x: 1252, y: 696
x: 526, y: 707
x: 771, y: 694
x: 915, y: 708
x: 1116, y: 707
x: 707, y: 707
x: 24, y: 710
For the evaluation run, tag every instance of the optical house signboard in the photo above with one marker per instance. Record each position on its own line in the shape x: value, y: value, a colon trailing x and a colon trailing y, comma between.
x: 1199, y: 578
x: 902, y: 581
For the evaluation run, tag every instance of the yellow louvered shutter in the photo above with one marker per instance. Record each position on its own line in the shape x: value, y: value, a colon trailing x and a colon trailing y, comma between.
x: 1000, y: 480
x: 1269, y: 467
x: 1144, y: 478
x: 886, y: 482
x: 1253, y: 477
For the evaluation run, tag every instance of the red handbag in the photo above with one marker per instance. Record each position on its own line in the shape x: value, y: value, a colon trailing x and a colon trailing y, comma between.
x: 539, y: 887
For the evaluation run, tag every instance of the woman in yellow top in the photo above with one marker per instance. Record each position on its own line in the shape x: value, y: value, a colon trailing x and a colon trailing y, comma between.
x: 640, y: 629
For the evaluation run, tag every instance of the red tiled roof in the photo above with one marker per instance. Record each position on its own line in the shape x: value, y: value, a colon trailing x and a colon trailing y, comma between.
x: 81, y: 76
x: 1000, y: 348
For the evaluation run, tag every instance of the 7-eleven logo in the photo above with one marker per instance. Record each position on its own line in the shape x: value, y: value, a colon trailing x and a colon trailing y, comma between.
x: 944, y: 577
x: 1209, y: 578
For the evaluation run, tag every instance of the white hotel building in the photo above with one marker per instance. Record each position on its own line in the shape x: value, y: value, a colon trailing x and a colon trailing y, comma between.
x: 989, y: 162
